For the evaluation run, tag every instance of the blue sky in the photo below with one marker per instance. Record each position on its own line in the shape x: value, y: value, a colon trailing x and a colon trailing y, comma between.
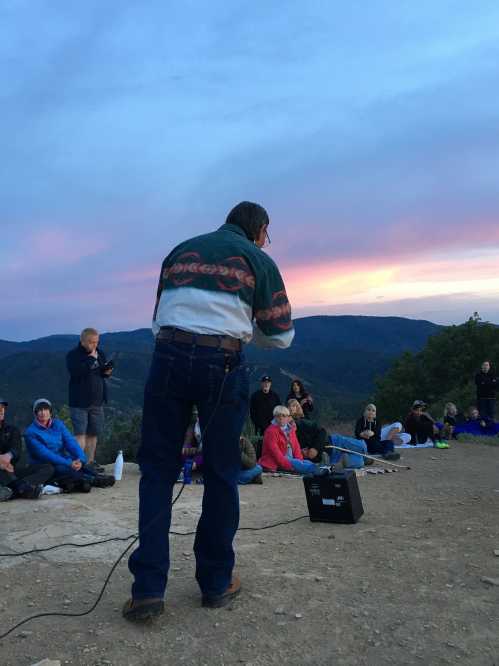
x: 370, y: 132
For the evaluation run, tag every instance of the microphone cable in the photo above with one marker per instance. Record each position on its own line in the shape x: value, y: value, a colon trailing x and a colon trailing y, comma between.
x: 135, y: 537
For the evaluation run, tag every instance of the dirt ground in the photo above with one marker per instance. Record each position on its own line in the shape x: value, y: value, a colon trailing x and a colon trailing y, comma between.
x: 403, y: 586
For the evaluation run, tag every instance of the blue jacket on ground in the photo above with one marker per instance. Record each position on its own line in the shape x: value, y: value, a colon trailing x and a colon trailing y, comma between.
x: 55, y: 444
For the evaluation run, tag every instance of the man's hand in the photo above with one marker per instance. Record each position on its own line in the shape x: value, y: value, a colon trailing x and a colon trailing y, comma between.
x: 76, y: 465
x: 94, y: 353
x: 108, y: 372
x: 6, y: 462
x: 365, y: 434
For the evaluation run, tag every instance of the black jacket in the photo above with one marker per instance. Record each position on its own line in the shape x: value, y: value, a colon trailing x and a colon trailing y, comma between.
x: 311, y: 436
x: 486, y: 385
x: 87, y: 385
x: 262, y: 407
x: 363, y: 424
x: 10, y: 441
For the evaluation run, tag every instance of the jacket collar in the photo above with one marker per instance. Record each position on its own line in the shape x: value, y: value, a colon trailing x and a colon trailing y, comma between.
x: 235, y: 230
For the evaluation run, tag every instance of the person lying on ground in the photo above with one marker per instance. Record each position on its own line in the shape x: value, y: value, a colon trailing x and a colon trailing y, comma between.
x: 297, y: 392
x: 250, y: 472
x: 49, y: 441
x: 311, y: 437
x: 368, y: 429
x: 421, y: 426
x: 281, y: 450
x: 476, y: 424
x: 17, y: 480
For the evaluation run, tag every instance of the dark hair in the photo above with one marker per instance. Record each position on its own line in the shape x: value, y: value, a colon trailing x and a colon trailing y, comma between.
x: 300, y: 386
x: 250, y: 217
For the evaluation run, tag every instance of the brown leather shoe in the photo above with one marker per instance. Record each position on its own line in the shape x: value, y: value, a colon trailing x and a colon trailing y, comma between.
x: 220, y: 600
x: 143, y: 610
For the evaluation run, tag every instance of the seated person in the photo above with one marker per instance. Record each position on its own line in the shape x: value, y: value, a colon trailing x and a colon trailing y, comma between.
x: 297, y: 392
x: 477, y: 425
x: 450, y: 420
x: 420, y: 425
x: 281, y: 450
x: 311, y: 437
x: 250, y: 471
x: 193, y: 445
x: 368, y: 429
x: 18, y: 480
x: 49, y: 441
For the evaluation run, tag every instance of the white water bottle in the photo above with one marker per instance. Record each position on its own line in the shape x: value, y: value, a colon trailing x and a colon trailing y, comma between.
x: 118, y: 466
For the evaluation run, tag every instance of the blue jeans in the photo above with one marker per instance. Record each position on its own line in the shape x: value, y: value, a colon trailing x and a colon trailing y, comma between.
x: 303, y: 466
x: 350, y: 443
x: 247, y: 475
x: 217, y: 382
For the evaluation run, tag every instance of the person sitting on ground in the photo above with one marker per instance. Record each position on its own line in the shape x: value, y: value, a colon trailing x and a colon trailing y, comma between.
x: 18, y: 480
x: 476, y: 424
x: 421, y: 429
x: 297, y: 392
x: 250, y: 472
x: 311, y: 437
x: 49, y: 441
x: 281, y: 450
x: 369, y: 429
x: 193, y: 445
x: 450, y: 420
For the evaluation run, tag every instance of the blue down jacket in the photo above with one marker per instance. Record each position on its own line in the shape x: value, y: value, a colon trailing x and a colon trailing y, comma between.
x: 55, y: 444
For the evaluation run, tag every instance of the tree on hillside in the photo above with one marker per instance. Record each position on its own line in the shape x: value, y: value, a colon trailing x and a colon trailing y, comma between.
x: 443, y: 371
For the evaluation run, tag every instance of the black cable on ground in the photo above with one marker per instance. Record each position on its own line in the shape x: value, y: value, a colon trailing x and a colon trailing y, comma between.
x: 69, y: 544
x: 135, y: 538
x: 113, y: 568
x: 96, y: 602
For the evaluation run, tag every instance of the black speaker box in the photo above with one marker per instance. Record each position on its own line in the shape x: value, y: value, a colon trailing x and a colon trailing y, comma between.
x: 334, y: 497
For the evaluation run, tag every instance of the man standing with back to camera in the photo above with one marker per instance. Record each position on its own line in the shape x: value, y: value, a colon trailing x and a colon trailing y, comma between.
x: 211, y: 288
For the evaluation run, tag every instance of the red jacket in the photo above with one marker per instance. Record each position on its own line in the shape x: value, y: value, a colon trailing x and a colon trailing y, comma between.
x: 275, y: 447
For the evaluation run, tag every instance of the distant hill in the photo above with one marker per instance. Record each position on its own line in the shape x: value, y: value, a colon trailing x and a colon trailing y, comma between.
x: 337, y: 357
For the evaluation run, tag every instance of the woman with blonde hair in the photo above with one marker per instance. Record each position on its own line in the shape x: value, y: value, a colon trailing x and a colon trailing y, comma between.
x: 368, y: 429
x: 281, y: 450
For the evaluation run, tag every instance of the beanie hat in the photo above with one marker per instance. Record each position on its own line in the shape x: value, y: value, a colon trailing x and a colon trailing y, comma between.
x: 41, y: 402
x: 250, y: 217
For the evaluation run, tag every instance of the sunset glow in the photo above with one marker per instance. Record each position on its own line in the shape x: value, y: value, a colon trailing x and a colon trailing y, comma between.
x: 371, y: 138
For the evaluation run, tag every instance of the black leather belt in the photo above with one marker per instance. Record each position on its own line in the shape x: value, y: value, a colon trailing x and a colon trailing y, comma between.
x: 171, y: 334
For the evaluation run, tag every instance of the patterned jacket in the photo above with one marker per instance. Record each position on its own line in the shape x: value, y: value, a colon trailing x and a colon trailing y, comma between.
x: 220, y: 283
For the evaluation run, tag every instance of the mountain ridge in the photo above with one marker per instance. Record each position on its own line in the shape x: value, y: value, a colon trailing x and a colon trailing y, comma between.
x: 337, y: 357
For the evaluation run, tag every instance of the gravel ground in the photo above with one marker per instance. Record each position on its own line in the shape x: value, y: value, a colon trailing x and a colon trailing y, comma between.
x: 416, y: 581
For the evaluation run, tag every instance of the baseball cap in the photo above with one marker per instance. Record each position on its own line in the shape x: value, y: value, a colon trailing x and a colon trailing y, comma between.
x: 266, y: 378
x: 3, y: 402
x: 418, y: 403
x: 41, y: 402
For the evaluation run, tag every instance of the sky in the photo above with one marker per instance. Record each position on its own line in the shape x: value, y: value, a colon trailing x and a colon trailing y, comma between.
x: 369, y: 131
